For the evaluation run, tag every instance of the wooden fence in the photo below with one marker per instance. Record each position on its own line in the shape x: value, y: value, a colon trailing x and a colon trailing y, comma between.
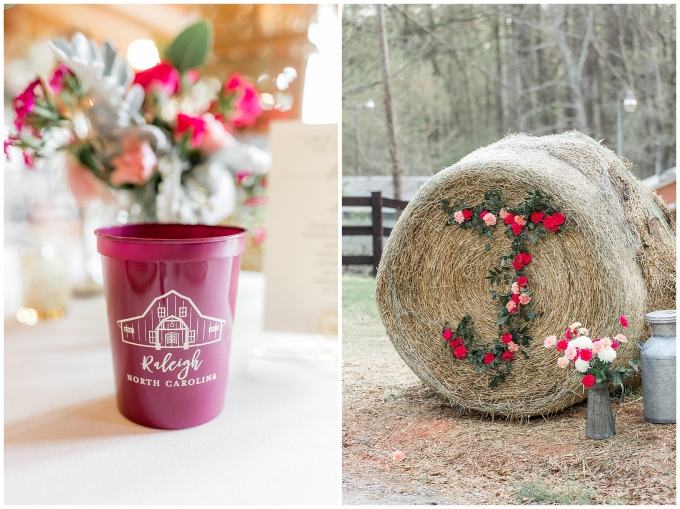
x: 376, y: 230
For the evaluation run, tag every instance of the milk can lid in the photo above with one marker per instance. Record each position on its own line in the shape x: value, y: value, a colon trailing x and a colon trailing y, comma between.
x: 665, y: 316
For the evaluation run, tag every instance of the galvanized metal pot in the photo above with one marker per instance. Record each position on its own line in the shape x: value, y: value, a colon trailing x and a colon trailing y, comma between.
x: 657, y: 360
x: 600, y: 421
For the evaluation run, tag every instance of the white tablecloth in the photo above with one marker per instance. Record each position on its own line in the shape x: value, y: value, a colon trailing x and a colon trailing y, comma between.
x: 276, y: 442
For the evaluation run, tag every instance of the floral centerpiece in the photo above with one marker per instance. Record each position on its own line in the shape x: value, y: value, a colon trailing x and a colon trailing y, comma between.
x: 156, y: 143
x: 592, y: 357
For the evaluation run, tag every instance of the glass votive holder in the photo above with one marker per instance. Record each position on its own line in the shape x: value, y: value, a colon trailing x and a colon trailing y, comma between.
x: 45, y: 282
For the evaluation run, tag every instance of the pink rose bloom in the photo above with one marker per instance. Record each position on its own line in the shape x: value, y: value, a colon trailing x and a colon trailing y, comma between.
x: 162, y: 77
x: 597, y: 347
x: 247, y: 102
x: 136, y: 164
x: 515, y: 288
x: 58, y: 79
x: 513, y: 347
x: 458, y: 216
x: 550, y: 341
x: 524, y: 299
x: 216, y: 136
x: 259, y: 235
x: 85, y: 187
x: 398, y: 456
x: 504, y: 213
x: 511, y: 306
x: 606, y: 342
x: 621, y: 338
x: 24, y: 103
x: 520, y: 220
x: 489, y: 219
x: 570, y: 352
x: 254, y: 201
x: 574, y: 326
x: 583, y: 331
x: 195, y: 126
x: 563, y: 362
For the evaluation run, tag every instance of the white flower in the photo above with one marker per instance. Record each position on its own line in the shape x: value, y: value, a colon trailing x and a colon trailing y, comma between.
x: 607, y: 354
x: 581, y: 365
x: 583, y: 331
x: 582, y: 342
x: 574, y: 325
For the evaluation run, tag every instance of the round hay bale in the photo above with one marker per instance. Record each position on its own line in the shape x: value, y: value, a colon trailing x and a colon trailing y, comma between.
x: 617, y: 257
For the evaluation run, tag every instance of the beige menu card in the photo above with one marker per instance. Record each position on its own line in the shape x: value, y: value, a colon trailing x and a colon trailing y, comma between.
x: 301, y: 257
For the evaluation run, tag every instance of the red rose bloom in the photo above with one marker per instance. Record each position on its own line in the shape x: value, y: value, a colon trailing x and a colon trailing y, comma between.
x: 517, y: 264
x: 515, y: 298
x: 467, y: 214
x: 585, y: 354
x: 615, y: 345
x: 507, y: 356
x: 567, y: 334
x: 447, y: 334
x: 561, y: 345
x: 536, y: 217
x: 163, y: 76
x: 484, y: 212
x: 507, y: 338
x: 455, y: 342
x: 558, y: 218
x: 509, y: 219
x: 522, y: 281
x: 196, y: 126
x: 489, y: 358
x: 525, y: 257
x: 624, y: 321
x: 549, y: 224
x: 460, y: 352
x: 588, y: 381
x: 516, y: 228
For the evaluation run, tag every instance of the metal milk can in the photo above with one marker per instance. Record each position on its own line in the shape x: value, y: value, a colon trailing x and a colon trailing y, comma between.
x: 657, y: 364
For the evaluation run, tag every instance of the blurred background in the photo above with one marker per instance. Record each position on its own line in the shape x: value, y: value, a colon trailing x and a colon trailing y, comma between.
x: 284, y: 50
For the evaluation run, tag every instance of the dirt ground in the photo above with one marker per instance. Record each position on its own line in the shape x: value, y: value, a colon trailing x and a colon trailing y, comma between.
x: 455, y: 456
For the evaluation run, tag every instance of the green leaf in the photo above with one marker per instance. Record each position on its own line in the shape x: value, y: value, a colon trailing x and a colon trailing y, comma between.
x: 190, y: 48
x: 487, y: 246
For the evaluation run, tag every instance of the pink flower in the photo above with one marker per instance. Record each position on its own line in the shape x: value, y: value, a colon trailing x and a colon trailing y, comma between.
x: 216, y: 136
x: 243, y: 175
x: 135, y: 165
x: 489, y: 219
x: 550, y: 341
x: 504, y: 213
x: 570, y: 352
x: 597, y: 347
x: 24, y: 104
x: 246, y: 103
x: 623, y: 320
x: 195, y: 126
x: 193, y: 75
x: 515, y: 288
x: 458, y: 216
x: 162, y: 77
x: 447, y: 334
x: 583, y: 331
x: 574, y: 326
x: 615, y: 345
x: 563, y: 362
x: 524, y: 299
x: 621, y: 338
x: 58, y: 79
x: 561, y: 345
x: 520, y: 220
x: 259, y: 235
x: 585, y: 354
x: 513, y: 347
x: 85, y: 187
x: 254, y: 201
x: 398, y: 456
x: 522, y: 281
x: 511, y: 306
x: 483, y: 213
x: 606, y: 342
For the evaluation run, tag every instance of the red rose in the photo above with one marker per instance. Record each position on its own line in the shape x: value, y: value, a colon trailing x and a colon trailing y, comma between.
x: 162, y: 76
x: 522, y: 281
x: 567, y: 334
x: 525, y: 257
x: 536, y: 217
x: 516, y: 228
x: 467, y: 214
x: 245, y: 102
x: 515, y: 298
x: 507, y: 356
x: 585, y: 354
x: 196, y: 126
x: 509, y: 219
x: 455, y: 342
x: 507, y: 338
x: 549, y: 224
x: 517, y: 264
x: 484, y: 212
x: 615, y: 345
x: 460, y: 351
x: 558, y: 218
x: 624, y: 321
x: 561, y: 345
x: 489, y: 358
x: 588, y: 381
x: 447, y: 334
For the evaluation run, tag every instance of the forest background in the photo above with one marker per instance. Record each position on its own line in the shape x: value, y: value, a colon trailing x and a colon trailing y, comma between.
x: 463, y: 76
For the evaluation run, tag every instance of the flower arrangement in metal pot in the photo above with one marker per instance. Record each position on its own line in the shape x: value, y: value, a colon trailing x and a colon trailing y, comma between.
x: 158, y: 142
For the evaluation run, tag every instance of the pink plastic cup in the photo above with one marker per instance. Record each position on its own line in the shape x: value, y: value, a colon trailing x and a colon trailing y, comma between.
x: 170, y: 293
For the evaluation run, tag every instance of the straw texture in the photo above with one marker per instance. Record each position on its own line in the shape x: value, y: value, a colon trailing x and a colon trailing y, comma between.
x: 617, y: 257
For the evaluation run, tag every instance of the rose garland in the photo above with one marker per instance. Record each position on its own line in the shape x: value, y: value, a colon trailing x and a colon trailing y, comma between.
x: 524, y: 224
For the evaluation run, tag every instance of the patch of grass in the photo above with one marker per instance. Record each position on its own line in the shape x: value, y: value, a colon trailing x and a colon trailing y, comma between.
x: 358, y: 298
x: 569, y: 494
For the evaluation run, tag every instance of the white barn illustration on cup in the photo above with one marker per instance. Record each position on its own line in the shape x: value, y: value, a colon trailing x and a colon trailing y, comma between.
x: 171, y: 321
